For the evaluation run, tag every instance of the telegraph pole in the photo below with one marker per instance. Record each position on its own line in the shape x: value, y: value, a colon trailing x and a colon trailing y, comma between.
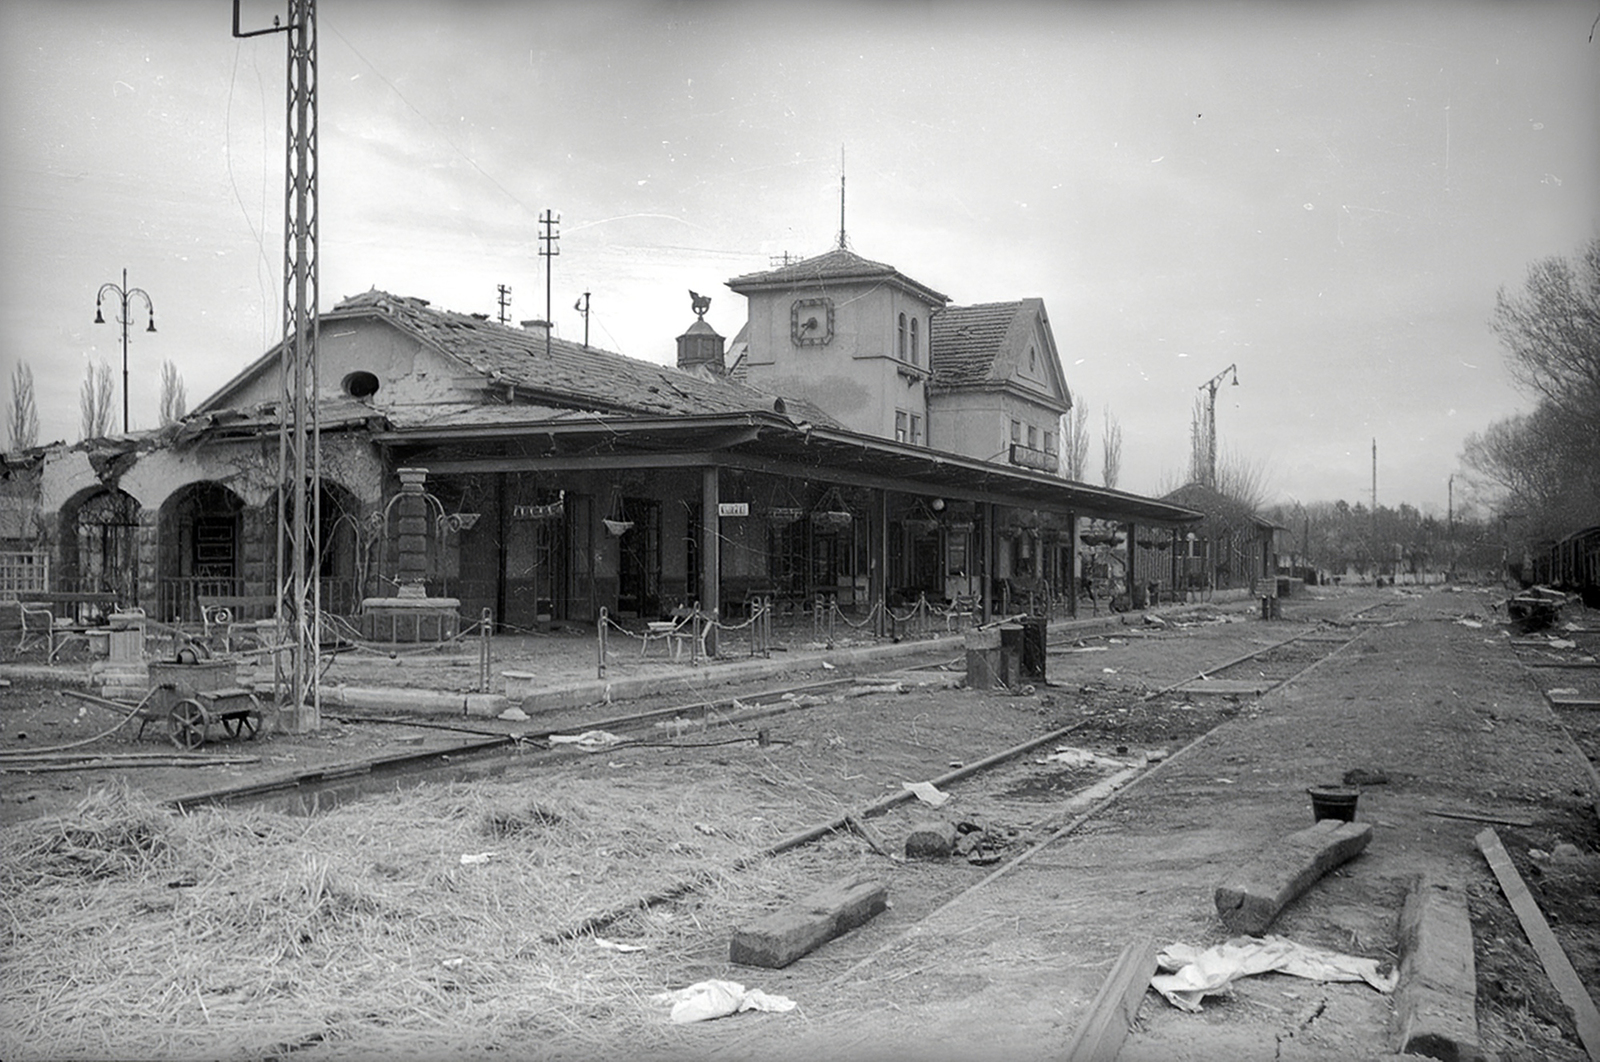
x: 1377, y: 561
x: 548, y: 221
x: 505, y: 302
x: 299, y: 554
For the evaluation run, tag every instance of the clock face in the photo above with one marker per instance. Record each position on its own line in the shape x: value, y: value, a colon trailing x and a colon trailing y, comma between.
x: 811, y: 322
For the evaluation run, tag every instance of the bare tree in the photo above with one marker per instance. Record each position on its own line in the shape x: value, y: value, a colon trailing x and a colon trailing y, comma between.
x: 22, y: 420
x: 1245, y: 480
x: 94, y: 401
x: 174, y: 402
x: 1199, y: 444
x: 1111, y: 450
x: 1552, y: 331
x: 1075, y: 442
x: 1545, y: 465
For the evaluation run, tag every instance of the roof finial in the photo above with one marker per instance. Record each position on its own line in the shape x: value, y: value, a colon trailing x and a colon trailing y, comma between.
x: 841, y: 197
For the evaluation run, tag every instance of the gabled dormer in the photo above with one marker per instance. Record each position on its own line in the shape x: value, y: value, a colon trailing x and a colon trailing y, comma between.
x: 998, y: 391
x: 851, y: 335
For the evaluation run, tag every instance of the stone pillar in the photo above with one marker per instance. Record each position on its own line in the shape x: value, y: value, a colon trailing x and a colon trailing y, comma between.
x: 145, y: 580
x: 412, y: 534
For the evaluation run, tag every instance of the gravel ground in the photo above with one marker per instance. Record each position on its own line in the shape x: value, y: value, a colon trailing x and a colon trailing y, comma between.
x: 965, y: 966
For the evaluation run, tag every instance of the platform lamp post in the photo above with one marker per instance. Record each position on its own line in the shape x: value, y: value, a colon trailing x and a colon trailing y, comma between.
x: 124, y: 296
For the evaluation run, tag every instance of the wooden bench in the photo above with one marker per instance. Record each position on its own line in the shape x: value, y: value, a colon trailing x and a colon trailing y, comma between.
x: 222, y: 614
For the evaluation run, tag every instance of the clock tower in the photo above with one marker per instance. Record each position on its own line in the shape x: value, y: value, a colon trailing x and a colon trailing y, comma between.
x: 848, y: 334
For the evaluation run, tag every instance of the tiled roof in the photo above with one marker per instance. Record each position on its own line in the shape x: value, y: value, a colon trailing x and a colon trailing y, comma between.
x: 963, y: 341
x: 568, y: 375
x: 837, y: 264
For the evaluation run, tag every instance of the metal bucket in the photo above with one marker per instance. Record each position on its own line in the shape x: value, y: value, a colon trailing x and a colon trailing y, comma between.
x: 1333, y: 802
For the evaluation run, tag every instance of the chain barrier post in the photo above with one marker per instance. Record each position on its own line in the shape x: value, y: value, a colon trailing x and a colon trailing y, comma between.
x: 694, y: 636
x: 600, y: 641
x: 485, y: 627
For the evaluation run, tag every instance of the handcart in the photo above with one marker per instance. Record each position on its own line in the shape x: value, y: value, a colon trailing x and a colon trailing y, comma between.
x: 190, y: 697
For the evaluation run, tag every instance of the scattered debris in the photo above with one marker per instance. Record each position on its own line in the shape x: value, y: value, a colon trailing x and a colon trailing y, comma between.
x: 1557, y: 966
x: 617, y: 945
x: 1194, y: 974
x: 717, y: 999
x: 783, y: 936
x: 588, y: 740
x: 1536, y: 608
x: 1076, y: 757
x: 514, y: 715
x: 468, y: 860
x: 934, y: 839
x: 926, y: 792
x: 1255, y: 893
x: 871, y: 836
x: 1362, y: 776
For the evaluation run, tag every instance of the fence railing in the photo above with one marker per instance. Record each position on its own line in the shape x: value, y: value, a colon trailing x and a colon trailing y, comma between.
x: 178, y: 596
x: 23, y: 573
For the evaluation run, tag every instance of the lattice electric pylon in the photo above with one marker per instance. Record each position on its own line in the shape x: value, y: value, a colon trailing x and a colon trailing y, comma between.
x: 297, y: 661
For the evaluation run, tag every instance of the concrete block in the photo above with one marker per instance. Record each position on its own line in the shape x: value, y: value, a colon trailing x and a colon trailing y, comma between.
x: 1435, y: 1002
x: 1249, y: 900
x: 780, y: 938
x: 933, y: 839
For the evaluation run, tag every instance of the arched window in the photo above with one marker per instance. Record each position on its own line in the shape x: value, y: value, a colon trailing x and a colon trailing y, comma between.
x: 902, y: 348
x: 916, y: 343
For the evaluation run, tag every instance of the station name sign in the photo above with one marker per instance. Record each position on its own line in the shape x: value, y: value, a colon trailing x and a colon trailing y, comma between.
x: 1028, y: 457
x: 733, y: 508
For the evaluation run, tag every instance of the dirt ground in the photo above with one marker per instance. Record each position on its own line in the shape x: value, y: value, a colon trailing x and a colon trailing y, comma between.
x: 973, y: 960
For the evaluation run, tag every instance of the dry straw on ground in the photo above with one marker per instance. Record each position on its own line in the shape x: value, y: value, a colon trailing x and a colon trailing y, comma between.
x: 134, y: 932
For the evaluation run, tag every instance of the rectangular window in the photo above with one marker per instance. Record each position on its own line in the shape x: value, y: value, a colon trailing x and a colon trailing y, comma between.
x: 916, y: 430
x: 1033, y: 437
x: 1050, y: 442
x: 1016, y: 431
x: 900, y: 425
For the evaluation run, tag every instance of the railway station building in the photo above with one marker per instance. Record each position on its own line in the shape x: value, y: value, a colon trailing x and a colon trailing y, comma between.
x: 860, y: 442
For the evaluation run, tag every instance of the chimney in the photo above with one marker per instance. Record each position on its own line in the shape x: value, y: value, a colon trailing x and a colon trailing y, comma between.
x: 539, y: 327
x: 701, y: 345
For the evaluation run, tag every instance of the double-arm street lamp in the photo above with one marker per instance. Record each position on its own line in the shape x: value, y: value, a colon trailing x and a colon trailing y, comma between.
x: 124, y: 295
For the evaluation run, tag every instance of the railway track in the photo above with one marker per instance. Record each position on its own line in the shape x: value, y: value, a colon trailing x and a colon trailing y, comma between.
x: 489, y: 754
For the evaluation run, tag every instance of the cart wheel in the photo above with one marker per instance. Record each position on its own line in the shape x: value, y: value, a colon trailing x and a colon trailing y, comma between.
x: 186, y: 724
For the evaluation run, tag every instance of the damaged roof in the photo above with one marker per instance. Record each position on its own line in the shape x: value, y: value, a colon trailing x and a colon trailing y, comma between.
x: 838, y: 264
x: 520, y: 366
x: 964, y: 341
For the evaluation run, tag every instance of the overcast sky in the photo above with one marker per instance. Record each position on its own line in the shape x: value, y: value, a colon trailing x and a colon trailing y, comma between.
x: 1326, y: 194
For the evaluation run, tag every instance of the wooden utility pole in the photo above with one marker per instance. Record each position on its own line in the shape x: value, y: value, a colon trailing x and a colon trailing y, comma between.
x: 548, y: 221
